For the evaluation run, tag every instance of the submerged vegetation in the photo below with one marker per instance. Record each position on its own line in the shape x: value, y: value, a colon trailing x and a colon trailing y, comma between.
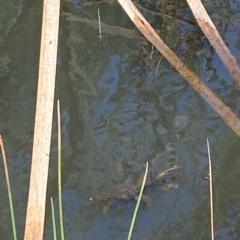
x: 131, y: 196
x: 126, y: 198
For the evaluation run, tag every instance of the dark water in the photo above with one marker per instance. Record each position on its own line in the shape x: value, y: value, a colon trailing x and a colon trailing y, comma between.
x: 119, y: 110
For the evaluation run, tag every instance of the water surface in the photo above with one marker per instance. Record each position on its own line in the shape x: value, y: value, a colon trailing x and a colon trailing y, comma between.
x: 119, y: 110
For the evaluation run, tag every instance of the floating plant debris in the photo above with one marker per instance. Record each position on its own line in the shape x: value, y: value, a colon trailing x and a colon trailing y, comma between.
x: 126, y: 198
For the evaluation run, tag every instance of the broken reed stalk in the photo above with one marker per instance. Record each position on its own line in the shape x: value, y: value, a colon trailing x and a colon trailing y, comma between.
x: 145, y: 28
x: 138, y: 203
x: 211, y: 190
x: 43, y: 121
x: 59, y: 171
x: 210, y: 31
x: 9, y: 188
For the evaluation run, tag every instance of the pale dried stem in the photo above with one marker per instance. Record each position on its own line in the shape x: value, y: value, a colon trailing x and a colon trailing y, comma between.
x: 43, y: 122
x: 228, y: 116
x: 215, y: 39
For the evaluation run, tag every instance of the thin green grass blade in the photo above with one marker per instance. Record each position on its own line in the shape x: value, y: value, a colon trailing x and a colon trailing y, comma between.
x: 53, y: 220
x: 9, y: 189
x: 138, y: 203
x: 211, y: 190
x: 59, y: 172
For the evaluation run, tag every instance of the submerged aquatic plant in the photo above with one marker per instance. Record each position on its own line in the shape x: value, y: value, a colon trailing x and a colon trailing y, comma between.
x: 99, y: 25
x: 127, y: 197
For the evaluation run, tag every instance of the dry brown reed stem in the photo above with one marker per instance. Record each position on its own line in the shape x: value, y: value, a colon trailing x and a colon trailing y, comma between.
x: 43, y: 121
x: 215, y: 39
x: 211, y: 190
x: 228, y: 116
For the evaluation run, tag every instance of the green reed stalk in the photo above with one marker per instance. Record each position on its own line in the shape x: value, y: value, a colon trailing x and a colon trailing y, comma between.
x: 53, y: 220
x: 138, y: 203
x: 9, y: 188
x: 211, y: 190
x: 59, y: 172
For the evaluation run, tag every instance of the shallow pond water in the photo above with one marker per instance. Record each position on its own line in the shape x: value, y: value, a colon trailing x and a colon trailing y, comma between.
x: 122, y: 105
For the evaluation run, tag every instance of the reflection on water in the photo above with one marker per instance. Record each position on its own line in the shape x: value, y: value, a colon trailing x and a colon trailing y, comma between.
x: 116, y: 115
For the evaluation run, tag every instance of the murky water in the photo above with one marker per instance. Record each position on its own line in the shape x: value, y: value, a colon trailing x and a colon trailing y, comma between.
x: 122, y: 105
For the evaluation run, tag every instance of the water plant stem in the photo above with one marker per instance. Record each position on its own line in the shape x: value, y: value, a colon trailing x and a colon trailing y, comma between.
x: 59, y: 171
x: 9, y: 188
x: 34, y: 226
x: 99, y: 25
x: 138, y: 203
x: 100, y: 32
x: 53, y: 220
x: 211, y: 190
x: 225, y: 112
